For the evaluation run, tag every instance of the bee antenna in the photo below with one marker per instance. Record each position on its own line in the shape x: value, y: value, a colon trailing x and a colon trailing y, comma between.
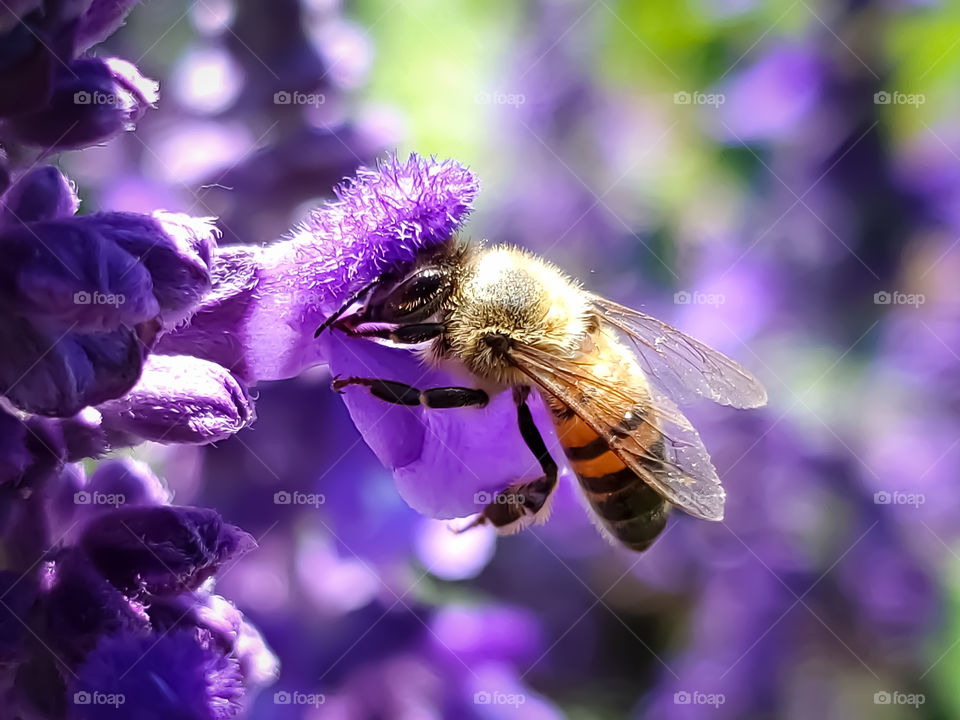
x: 346, y: 306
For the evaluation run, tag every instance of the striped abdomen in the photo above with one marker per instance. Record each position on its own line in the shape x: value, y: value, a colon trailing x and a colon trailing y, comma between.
x: 628, y: 508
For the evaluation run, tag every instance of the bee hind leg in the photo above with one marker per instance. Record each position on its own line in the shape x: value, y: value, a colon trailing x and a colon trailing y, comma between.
x: 523, y: 504
x: 400, y: 393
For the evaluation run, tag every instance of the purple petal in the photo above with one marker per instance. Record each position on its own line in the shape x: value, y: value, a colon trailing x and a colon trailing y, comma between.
x: 15, y: 458
x: 161, y: 550
x: 445, y: 462
x: 28, y: 56
x: 217, y: 331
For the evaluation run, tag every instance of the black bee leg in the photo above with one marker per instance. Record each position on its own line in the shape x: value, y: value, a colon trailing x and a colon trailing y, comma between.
x: 402, y: 394
x: 402, y: 335
x: 521, y: 503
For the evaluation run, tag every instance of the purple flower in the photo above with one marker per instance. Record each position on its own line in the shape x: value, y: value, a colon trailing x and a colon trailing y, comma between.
x: 161, y: 550
x: 260, y: 318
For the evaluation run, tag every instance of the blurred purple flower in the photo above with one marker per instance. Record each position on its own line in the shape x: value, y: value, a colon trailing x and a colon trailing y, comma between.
x: 771, y: 98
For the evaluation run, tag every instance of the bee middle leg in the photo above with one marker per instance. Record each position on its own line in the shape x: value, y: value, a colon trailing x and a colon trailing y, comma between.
x: 523, y: 501
x: 400, y: 393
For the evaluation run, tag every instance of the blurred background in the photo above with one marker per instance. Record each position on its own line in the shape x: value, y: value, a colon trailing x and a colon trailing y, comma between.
x: 776, y: 178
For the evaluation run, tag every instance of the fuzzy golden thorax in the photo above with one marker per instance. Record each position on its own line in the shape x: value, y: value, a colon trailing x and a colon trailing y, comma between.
x: 505, y: 292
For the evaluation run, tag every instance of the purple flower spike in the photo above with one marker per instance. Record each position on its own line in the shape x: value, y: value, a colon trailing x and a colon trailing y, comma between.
x: 178, y: 399
x: 260, y: 318
x: 148, y: 678
x: 92, y: 100
x: 161, y: 550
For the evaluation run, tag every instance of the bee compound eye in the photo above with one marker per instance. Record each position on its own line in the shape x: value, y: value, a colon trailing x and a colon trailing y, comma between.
x: 418, y: 295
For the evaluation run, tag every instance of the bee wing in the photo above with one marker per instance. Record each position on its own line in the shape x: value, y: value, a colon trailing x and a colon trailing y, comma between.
x: 683, y: 367
x: 683, y: 474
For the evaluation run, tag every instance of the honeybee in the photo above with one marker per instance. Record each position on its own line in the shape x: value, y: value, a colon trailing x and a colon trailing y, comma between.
x: 609, y: 375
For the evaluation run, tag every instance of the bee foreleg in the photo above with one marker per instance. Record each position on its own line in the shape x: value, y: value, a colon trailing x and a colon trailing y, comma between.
x: 400, y: 393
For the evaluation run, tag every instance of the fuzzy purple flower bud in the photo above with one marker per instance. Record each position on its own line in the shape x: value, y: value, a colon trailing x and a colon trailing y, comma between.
x: 178, y: 399
x: 161, y: 550
x: 81, y: 606
x: 218, y: 624
x: 273, y: 299
x: 41, y: 194
x: 131, y: 481
x: 59, y: 374
x: 31, y: 450
x: 172, y: 676
x: 92, y: 100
